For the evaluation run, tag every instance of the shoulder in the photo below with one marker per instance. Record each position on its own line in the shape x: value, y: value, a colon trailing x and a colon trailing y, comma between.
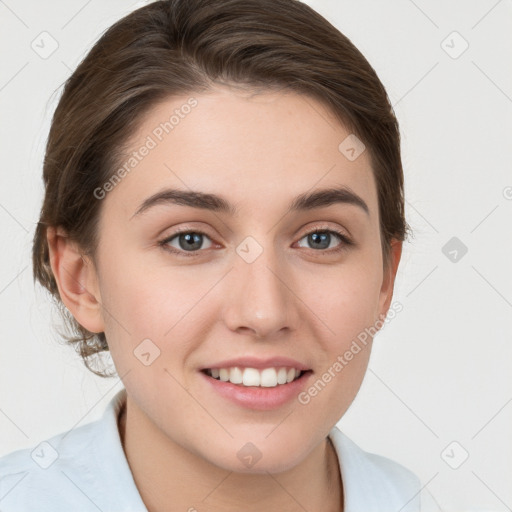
x: 46, y: 467
x: 372, y: 482
x: 84, y: 469
x: 51, y: 452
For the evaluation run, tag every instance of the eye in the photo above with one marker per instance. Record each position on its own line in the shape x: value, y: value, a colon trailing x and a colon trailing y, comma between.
x: 323, y: 238
x: 187, y: 242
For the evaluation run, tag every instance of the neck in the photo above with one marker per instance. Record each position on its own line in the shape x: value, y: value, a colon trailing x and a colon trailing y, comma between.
x: 165, y: 473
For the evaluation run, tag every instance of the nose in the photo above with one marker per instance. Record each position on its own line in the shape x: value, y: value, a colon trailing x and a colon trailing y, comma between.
x: 260, y: 299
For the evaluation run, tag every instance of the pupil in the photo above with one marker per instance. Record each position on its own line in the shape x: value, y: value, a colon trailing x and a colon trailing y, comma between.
x: 320, y: 237
x: 192, y: 241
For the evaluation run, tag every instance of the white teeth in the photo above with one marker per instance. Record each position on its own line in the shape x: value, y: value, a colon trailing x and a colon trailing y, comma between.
x: 268, y: 377
x: 235, y: 375
x: 251, y: 377
x: 281, y: 376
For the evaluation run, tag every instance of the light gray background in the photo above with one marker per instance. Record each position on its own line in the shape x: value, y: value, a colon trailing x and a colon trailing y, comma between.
x: 440, y: 371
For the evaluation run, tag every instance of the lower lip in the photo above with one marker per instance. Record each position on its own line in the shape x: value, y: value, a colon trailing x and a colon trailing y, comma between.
x: 259, y: 398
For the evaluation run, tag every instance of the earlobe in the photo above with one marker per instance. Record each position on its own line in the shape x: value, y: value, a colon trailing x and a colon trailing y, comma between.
x: 388, y: 281
x: 76, y: 279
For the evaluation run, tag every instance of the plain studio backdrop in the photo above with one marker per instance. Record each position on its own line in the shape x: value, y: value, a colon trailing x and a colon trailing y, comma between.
x: 438, y: 393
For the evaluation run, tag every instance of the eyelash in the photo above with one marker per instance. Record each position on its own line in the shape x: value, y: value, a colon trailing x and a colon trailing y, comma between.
x: 346, y: 242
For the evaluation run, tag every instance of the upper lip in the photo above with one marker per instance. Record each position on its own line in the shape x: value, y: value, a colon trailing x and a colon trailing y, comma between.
x: 258, y: 363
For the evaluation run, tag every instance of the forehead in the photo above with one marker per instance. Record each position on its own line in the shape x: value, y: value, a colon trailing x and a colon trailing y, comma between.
x: 268, y: 147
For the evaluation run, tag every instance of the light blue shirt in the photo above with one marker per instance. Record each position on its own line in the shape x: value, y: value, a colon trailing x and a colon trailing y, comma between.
x: 86, y: 470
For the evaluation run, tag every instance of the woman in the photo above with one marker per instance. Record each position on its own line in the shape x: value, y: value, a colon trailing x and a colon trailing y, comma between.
x: 224, y: 214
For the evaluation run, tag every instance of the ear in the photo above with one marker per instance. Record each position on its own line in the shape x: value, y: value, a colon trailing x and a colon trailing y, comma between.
x: 76, y: 280
x: 388, y: 280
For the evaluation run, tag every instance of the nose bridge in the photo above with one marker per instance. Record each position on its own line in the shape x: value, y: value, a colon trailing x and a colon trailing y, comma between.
x: 259, y: 297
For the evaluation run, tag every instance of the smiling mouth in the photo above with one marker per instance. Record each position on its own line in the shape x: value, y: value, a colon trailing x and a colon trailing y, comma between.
x: 252, y: 377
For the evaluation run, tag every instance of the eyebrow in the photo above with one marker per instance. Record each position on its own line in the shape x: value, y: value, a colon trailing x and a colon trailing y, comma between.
x: 204, y: 201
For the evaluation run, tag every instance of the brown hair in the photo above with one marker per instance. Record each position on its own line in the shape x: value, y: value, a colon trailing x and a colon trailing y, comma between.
x: 179, y: 47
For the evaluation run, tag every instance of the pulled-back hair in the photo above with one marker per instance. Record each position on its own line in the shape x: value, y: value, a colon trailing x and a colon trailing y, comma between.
x: 179, y: 47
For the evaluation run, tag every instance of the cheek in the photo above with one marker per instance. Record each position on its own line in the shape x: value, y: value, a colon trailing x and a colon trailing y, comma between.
x: 162, y: 304
x: 345, y: 300
x: 345, y: 305
x: 141, y: 297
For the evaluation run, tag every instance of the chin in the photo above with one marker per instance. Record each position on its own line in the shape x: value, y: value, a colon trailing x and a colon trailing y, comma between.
x: 274, y: 453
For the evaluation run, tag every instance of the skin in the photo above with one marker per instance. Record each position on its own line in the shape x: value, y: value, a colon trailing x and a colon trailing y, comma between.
x: 180, y: 437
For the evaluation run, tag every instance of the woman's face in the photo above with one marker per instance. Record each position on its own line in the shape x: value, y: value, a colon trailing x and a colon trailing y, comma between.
x: 250, y: 285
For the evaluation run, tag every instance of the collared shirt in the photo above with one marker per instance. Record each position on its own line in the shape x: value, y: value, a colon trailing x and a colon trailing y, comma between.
x: 85, y: 469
